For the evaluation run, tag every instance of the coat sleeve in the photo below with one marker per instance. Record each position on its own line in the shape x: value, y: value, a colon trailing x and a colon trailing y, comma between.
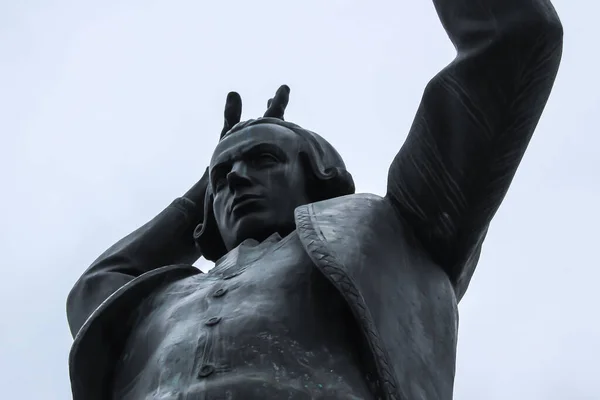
x: 473, y: 125
x: 166, y: 239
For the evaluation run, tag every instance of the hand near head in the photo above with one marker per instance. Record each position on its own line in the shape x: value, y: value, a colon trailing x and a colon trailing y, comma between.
x: 232, y: 115
x: 233, y: 107
x: 276, y: 106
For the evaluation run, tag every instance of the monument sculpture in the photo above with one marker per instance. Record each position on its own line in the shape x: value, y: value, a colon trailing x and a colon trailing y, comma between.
x: 318, y: 292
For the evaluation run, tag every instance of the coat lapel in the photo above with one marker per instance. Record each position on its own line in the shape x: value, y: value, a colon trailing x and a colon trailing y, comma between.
x: 403, y: 302
x: 319, y: 230
x: 98, y: 344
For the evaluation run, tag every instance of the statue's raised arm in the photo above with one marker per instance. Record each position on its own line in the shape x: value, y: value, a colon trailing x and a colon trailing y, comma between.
x: 473, y: 125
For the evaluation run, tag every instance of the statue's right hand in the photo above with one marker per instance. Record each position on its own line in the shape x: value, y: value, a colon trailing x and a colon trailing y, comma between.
x: 232, y: 115
x: 233, y: 107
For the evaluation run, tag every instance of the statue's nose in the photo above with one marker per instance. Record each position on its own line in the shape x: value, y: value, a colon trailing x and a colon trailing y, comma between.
x: 238, y: 175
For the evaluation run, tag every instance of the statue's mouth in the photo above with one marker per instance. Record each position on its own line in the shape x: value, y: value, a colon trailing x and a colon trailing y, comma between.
x: 244, y: 201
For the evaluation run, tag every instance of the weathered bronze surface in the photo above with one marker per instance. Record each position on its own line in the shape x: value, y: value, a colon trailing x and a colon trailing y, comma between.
x: 318, y: 292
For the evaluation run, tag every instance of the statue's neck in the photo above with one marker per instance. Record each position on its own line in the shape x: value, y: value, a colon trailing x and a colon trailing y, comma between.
x: 248, y: 251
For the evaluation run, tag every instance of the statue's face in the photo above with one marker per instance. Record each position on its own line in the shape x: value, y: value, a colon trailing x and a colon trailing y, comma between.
x: 257, y: 180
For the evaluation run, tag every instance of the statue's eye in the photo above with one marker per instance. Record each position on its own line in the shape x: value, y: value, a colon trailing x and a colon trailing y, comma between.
x: 219, y: 179
x: 219, y: 183
x: 264, y: 160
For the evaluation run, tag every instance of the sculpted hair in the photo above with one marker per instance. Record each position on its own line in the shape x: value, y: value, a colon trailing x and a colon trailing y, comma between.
x: 327, y: 178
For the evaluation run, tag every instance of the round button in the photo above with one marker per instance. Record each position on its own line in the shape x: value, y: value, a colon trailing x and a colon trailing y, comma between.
x: 220, y: 292
x: 213, y: 321
x: 206, y: 370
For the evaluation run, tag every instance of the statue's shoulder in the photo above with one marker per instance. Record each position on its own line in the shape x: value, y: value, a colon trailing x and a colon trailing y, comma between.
x: 356, y: 212
x: 350, y: 206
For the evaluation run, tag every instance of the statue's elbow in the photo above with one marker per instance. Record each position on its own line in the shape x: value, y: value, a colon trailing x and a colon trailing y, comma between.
x: 90, y: 291
x: 76, y: 315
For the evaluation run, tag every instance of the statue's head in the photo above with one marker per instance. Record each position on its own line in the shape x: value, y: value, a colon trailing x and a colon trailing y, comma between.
x: 260, y: 171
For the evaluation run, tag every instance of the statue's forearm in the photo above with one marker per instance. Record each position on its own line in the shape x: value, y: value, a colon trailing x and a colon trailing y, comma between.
x: 164, y: 240
x: 196, y: 193
x: 474, y: 123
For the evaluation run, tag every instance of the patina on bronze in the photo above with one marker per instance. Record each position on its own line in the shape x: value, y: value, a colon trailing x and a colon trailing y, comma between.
x: 318, y: 292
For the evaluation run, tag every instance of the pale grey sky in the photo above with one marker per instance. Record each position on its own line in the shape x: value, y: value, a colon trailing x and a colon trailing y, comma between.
x: 109, y: 110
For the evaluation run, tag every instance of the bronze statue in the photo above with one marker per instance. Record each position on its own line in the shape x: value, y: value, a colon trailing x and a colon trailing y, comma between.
x: 317, y: 292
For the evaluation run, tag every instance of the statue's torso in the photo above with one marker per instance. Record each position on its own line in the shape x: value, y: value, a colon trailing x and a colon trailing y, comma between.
x: 264, y: 323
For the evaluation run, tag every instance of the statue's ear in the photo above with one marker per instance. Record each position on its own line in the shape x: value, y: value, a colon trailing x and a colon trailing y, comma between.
x: 207, y: 235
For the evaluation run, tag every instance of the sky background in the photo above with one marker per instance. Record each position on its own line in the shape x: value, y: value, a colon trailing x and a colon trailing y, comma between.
x: 109, y: 110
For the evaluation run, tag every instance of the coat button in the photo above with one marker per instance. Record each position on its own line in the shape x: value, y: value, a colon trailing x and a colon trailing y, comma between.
x: 212, y: 321
x: 220, y: 292
x: 205, y: 371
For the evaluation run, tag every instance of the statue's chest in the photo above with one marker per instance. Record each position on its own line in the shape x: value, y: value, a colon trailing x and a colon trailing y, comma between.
x: 263, y: 310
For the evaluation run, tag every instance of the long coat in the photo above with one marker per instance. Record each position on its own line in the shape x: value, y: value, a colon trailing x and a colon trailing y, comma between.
x: 402, y: 262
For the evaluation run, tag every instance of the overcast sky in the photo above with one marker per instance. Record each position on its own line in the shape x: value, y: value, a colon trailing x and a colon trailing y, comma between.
x: 109, y: 110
